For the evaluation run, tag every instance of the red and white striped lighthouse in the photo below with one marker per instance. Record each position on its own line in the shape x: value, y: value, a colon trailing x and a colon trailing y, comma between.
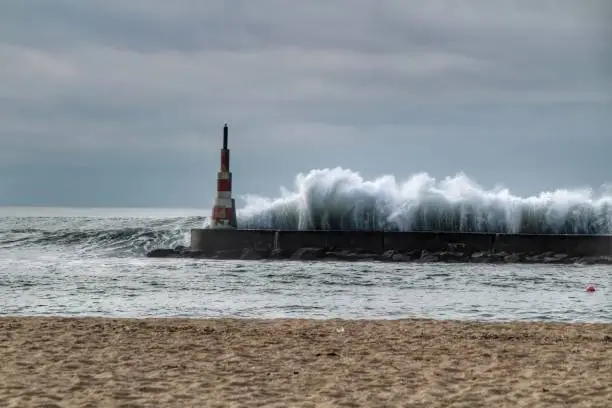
x: 224, y: 208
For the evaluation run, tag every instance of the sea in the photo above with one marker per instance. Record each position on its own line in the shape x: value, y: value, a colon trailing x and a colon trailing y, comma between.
x: 92, y: 261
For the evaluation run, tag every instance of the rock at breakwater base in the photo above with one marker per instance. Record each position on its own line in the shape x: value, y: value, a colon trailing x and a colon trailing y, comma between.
x: 325, y: 254
x: 176, y: 252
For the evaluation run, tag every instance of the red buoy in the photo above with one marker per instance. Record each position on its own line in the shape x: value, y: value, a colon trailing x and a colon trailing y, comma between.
x: 589, y: 288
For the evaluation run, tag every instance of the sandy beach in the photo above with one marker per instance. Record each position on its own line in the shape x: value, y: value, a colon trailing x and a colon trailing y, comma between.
x: 96, y: 362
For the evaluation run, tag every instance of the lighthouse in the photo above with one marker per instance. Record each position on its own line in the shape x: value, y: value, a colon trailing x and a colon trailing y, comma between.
x: 224, y: 208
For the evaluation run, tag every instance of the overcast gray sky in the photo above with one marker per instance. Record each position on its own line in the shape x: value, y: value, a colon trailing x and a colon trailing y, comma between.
x: 122, y: 102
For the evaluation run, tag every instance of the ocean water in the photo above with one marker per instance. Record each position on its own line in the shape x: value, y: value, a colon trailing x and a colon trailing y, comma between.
x: 60, y: 261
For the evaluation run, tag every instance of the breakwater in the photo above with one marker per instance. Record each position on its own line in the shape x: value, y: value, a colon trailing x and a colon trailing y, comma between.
x: 393, y: 246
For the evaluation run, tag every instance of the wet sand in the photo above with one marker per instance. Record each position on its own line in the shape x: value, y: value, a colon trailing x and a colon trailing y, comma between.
x: 95, y: 362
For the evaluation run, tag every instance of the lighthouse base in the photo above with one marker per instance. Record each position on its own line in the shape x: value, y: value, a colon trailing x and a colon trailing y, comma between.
x: 224, y: 214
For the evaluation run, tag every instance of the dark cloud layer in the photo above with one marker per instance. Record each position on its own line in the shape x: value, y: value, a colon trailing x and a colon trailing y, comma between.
x: 109, y: 102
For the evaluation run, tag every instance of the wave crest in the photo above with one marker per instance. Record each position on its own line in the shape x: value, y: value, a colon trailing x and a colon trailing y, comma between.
x: 102, y: 236
x: 341, y: 199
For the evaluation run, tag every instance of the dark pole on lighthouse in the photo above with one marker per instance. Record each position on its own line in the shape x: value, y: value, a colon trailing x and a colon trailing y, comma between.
x: 225, y: 137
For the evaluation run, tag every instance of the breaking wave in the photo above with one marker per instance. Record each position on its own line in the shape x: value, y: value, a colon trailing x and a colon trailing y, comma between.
x: 116, y: 237
x: 341, y: 199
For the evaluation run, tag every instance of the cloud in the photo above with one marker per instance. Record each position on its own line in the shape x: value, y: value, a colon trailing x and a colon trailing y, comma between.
x: 107, y: 76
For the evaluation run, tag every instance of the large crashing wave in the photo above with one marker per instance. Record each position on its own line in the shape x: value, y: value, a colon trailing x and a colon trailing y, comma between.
x: 340, y: 199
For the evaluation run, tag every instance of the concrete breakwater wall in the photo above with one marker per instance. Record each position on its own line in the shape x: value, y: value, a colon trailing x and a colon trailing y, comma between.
x: 212, y: 241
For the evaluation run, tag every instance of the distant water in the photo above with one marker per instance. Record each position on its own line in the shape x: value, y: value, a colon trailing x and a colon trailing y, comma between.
x: 91, y: 262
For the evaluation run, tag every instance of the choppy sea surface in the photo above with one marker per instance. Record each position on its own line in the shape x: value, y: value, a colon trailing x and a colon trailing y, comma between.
x: 59, y: 261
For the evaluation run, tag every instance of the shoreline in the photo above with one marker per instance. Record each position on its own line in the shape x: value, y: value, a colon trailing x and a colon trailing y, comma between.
x: 197, y: 319
x: 239, y: 321
x: 184, y: 362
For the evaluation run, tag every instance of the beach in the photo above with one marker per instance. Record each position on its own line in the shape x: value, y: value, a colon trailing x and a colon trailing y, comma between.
x: 103, y: 362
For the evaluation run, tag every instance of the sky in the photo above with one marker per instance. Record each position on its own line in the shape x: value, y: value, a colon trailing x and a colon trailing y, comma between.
x: 122, y: 103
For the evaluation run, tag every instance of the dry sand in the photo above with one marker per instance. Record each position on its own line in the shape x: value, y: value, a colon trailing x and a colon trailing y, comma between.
x: 94, y: 362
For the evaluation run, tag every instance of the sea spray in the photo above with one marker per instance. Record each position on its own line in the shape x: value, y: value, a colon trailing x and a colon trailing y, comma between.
x: 342, y: 199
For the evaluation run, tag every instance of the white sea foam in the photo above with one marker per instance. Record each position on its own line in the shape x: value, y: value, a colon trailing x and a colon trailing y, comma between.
x: 342, y: 199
